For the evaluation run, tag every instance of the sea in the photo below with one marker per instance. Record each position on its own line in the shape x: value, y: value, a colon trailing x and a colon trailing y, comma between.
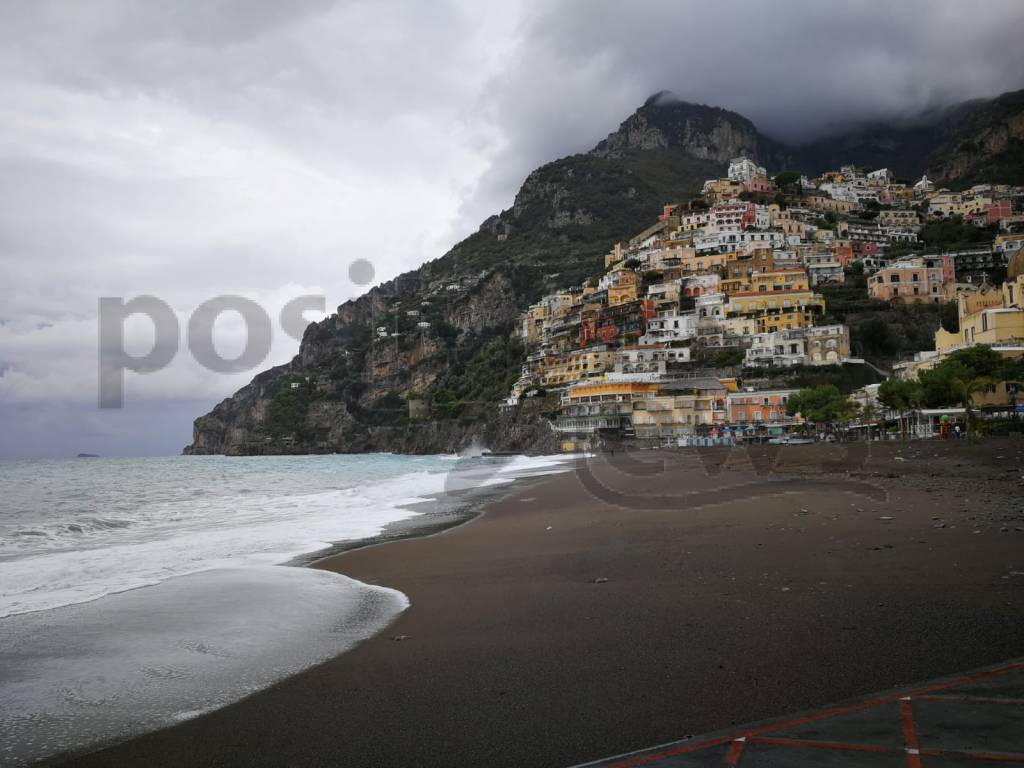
x: 137, y: 593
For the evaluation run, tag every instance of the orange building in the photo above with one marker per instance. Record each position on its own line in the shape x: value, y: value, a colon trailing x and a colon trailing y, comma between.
x: 766, y: 407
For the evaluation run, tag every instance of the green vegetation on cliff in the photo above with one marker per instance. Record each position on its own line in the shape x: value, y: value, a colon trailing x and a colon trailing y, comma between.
x: 879, y: 331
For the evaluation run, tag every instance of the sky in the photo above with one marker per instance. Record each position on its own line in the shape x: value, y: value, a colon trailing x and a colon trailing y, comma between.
x: 191, y: 150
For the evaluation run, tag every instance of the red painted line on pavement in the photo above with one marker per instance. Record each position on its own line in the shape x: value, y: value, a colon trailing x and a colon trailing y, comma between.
x: 821, y: 715
x: 732, y: 759
x: 910, y: 734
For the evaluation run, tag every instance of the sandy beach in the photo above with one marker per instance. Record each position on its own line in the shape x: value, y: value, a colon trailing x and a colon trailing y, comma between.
x: 648, y: 596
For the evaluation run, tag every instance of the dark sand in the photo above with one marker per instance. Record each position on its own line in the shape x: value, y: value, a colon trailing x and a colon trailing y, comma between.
x: 718, y: 609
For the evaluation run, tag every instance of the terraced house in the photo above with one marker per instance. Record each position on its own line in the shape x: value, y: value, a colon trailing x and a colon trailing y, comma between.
x: 730, y: 283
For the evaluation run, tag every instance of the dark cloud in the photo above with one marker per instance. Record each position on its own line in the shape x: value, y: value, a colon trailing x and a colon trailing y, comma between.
x: 795, y: 68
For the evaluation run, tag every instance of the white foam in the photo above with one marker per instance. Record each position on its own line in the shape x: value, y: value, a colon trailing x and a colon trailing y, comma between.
x: 86, y: 674
x: 166, y: 536
x: 229, y: 532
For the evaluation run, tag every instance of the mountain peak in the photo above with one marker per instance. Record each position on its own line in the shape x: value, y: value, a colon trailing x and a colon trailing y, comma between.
x: 703, y: 132
x: 662, y: 98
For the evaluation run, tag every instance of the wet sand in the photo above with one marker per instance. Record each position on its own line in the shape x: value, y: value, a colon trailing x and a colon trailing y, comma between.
x: 648, y: 596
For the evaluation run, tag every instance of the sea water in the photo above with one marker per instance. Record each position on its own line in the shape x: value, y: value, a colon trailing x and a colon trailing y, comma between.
x: 138, y: 592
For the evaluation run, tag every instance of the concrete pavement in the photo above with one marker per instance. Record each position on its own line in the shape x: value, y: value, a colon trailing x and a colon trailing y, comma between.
x: 973, y: 719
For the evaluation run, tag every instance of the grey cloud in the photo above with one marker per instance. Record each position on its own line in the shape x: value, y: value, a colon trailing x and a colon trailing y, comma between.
x: 795, y: 68
x: 231, y: 146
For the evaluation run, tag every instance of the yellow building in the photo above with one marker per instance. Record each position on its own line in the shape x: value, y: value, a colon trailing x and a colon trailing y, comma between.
x: 983, y: 320
x: 778, y: 310
x: 533, y: 323
x: 741, y: 325
x: 672, y: 415
x: 614, y: 256
x: 625, y: 287
x: 574, y: 366
x: 699, y: 263
x: 609, y: 391
x: 828, y: 205
x: 766, y: 282
x: 596, y: 405
x: 681, y: 407
x: 722, y: 190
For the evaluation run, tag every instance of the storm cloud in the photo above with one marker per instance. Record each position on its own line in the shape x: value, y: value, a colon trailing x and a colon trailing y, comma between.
x: 190, y: 150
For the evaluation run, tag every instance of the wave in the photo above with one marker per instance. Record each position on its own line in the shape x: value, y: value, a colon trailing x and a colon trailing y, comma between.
x: 81, y: 559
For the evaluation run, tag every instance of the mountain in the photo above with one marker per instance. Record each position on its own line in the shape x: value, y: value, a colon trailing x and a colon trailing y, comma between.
x: 981, y: 141
x: 436, y: 388
x: 959, y: 146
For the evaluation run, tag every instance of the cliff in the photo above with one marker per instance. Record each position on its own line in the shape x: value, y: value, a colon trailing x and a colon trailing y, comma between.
x: 434, y: 383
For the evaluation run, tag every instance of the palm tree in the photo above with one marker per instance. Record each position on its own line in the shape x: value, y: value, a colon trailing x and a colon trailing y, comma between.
x: 868, y: 415
x: 965, y: 390
x: 900, y: 396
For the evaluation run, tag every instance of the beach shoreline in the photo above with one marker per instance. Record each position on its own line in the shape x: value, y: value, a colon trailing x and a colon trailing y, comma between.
x: 560, y: 627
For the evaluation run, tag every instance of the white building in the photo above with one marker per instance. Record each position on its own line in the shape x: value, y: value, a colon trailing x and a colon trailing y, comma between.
x: 880, y: 178
x: 646, y: 363
x: 824, y: 268
x: 720, y: 242
x: 670, y: 326
x: 780, y: 349
x: 816, y: 345
x: 923, y: 187
x: 743, y: 169
x: 710, y: 306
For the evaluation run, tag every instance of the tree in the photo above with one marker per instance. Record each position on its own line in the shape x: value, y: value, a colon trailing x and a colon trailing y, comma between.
x: 966, y: 389
x: 971, y: 368
x: 900, y: 396
x: 651, y: 276
x: 952, y: 233
x: 949, y: 317
x: 823, y: 404
x: 953, y: 383
x: 868, y: 415
x: 445, y: 403
x: 784, y: 179
x: 286, y: 414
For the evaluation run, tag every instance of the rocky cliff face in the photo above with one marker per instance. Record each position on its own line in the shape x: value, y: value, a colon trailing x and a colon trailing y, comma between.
x: 982, y: 141
x: 436, y: 387
x: 705, y: 133
x: 979, y: 141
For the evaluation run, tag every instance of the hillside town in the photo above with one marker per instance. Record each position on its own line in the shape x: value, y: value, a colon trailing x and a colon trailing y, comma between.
x: 695, y: 319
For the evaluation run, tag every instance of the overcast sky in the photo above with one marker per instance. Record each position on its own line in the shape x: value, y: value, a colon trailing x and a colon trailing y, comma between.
x: 193, y: 149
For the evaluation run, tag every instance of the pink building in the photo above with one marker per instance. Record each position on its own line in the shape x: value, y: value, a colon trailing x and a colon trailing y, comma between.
x: 946, y: 263
x: 760, y: 184
x: 862, y: 248
x: 1000, y: 209
x: 911, y: 281
x: 844, y: 253
x: 734, y: 215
